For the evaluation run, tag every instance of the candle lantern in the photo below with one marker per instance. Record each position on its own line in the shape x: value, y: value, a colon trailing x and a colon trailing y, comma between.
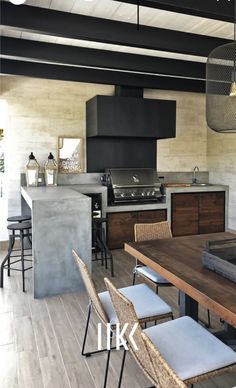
x: 51, y: 171
x: 32, y: 171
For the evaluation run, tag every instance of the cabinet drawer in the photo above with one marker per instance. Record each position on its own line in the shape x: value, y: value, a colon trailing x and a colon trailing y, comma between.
x: 150, y: 216
x: 212, y: 212
x: 120, y: 228
x: 184, y: 214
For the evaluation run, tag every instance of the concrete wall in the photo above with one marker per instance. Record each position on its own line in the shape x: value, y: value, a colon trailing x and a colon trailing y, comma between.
x: 40, y: 111
x: 189, y: 148
x: 221, y: 151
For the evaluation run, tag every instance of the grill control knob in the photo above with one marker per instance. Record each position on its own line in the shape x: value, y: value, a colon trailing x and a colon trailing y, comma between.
x: 122, y: 195
x: 132, y: 194
x: 143, y: 194
x: 148, y: 193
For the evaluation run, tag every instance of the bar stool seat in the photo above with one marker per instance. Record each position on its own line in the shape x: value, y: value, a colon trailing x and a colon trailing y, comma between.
x: 19, y: 226
x: 18, y: 218
x: 20, y: 230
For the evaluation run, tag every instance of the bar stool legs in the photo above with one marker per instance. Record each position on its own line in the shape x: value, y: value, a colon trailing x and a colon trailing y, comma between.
x: 24, y: 232
x: 22, y: 259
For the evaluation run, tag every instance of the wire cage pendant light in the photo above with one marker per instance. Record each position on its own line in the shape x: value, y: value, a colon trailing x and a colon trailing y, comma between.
x: 221, y: 86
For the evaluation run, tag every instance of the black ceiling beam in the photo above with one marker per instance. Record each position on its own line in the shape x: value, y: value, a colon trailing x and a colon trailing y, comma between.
x: 79, y: 56
x: 212, y: 9
x: 68, y: 25
x: 69, y: 73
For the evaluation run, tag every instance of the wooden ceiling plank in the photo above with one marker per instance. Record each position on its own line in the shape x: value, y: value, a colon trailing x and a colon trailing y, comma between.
x: 211, y: 9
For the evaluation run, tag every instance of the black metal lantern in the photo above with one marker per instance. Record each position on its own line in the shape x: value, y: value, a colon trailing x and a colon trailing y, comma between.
x: 221, y: 87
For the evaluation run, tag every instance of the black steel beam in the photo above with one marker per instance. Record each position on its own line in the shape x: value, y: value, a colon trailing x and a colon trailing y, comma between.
x: 68, y: 25
x: 72, y: 55
x: 70, y: 73
x: 211, y: 9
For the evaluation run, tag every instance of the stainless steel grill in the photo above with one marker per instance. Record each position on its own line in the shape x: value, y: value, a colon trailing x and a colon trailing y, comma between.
x: 132, y: 185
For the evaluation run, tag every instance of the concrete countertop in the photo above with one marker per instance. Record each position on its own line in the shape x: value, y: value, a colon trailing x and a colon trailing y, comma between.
x: 43, y: 193
x: 196, y: 189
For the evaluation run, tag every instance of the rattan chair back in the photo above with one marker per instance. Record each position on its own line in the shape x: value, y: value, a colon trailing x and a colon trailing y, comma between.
x: 146, y: 355
x: 89, y: 284
x: 153, y: 231
x: 165, y: 376
x: 126, y: 315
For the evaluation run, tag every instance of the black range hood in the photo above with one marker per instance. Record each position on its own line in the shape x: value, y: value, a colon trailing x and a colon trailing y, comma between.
x: 122, y: 129
x: 127, y: 114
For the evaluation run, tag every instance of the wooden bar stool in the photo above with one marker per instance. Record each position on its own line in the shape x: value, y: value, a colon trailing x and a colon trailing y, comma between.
x: 23, y: 229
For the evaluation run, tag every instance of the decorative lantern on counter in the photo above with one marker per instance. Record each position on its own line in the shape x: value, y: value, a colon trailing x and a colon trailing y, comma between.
x: 51, y: 171
x: 32, y: 171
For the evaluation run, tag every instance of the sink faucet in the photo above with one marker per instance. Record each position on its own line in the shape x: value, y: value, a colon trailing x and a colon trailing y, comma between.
x: 195, y: 170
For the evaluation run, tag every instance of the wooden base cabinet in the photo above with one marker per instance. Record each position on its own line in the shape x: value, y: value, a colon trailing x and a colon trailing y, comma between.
x: 197, y: 213
x: 120, y: 226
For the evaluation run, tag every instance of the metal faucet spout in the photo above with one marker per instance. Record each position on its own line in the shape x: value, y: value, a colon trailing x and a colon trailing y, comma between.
x: 195, y: 170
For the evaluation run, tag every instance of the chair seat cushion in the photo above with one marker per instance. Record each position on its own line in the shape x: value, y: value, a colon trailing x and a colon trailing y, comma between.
x: 190, y: 349
x: 145, y: 301
x: 151, y: 274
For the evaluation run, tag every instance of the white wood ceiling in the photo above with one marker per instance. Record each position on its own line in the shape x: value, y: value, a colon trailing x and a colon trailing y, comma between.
x: 116, y: 10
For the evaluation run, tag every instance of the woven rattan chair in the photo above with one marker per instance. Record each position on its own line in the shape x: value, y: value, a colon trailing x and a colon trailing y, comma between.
x: 173, y: 353
x: 153, y: 231
x: 149, y: 307
x: 145, y: 232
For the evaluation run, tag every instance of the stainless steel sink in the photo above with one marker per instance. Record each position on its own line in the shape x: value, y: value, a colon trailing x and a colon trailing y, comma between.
x: 201, y: 184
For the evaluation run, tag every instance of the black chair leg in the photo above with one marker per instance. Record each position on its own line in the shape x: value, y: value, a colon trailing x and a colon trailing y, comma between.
x: 122, y: 368
x: 112, y: 267
x: 22, y: 259
x: 134, y: 278
x: 86, y: 332
x: 209, y: 318
x: 7, y: 259
x: 108, y: 361
x: 157, y: 289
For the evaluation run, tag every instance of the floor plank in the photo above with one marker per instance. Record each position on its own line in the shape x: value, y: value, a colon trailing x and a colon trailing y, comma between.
x: 41, y: 340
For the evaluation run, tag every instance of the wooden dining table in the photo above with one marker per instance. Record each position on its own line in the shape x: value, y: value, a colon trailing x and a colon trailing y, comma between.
x: 179, y: 261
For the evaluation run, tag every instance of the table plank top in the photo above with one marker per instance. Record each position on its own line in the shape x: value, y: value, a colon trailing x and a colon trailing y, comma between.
x: 179, y: 261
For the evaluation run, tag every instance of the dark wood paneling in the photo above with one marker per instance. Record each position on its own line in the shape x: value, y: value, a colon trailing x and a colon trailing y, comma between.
x: 152, y: 216
x: 69, y: 25
x: 195, y: 213
x: 184, y: 214
x: 120, y: 228
x: 212, y: 212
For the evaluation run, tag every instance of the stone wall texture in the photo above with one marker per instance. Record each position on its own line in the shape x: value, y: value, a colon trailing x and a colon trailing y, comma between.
x: 41, y: 110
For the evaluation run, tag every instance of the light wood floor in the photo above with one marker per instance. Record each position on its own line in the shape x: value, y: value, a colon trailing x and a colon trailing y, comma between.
x: 40, y: 340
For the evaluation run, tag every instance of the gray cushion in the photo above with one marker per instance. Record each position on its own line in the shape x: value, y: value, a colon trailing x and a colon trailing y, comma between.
x: 190, y: 349
x: 150, y: 274
x: 145, y: 301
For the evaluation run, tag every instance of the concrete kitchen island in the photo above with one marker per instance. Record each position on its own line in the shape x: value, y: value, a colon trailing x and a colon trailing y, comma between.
x: 61, y: 221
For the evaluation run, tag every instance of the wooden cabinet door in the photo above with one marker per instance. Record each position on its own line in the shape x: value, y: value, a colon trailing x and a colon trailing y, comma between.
x: 184, y: 214
x: 150, y: 216
x: 212, y: 212
x: 120, y: 228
